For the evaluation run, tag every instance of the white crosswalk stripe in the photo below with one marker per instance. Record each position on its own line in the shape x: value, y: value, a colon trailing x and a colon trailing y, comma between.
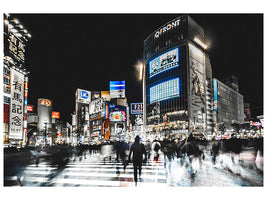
x: 93, y: 172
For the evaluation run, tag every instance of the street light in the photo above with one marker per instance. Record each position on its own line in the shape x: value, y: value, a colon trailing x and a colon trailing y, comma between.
x: 141, y: 71
x: 140, y: 67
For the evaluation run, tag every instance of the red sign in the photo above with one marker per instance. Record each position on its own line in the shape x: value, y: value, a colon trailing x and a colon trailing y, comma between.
x: 55, y: 115
x: 26, y: 85
x: 29, y: 108
x: 6, y: 113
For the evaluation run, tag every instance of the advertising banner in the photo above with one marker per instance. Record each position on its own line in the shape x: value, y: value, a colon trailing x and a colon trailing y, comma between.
x: 83, y: 96
x: 74, y: 120
x: 197, y: 88
x: 16, y: 105
x: 96, y: 106
x: 105, y: 95
x: 29, y: 108
x: 168, y: 60
x: 95, y: 95
x: 117, y: 89
x: 136, y: 108
x: 55, y: 115
x: 215, y: 94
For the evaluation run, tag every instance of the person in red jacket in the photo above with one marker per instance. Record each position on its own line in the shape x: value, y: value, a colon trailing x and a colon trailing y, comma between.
x: 138, y: 150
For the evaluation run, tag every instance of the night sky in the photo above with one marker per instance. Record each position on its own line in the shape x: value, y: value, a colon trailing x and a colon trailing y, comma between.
x: 86, y: 51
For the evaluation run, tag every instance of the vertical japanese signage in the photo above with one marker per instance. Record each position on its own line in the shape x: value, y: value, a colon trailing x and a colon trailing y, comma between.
x: 16, y: 48
x: 16, y: 105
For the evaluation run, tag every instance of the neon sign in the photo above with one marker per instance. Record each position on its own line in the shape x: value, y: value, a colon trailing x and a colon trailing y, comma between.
x: 170, y: 26
x: 46, y: 102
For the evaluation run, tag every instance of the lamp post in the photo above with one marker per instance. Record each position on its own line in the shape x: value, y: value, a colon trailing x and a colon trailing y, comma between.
x: 142, y: 78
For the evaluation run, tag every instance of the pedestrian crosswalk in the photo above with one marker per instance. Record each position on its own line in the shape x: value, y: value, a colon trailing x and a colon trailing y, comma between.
x: 93, y: 172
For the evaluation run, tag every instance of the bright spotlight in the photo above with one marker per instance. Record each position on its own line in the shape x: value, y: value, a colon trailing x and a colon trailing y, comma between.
x: 200, y: 43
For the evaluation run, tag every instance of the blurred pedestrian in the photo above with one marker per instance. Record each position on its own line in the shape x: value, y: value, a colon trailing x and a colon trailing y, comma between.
x: 138, y: 150
x: 156, y: 147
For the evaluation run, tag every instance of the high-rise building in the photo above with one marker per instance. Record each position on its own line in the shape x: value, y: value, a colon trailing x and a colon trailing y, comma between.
x: 229, y: 104
x: 232, y: 82
x: 178, y: 80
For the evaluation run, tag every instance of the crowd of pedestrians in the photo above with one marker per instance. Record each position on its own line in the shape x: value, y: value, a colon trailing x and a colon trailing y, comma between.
x: 184, y: 150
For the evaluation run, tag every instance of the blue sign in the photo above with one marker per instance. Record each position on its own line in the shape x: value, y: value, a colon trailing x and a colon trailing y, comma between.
x: 165, y: 90
x: 215, y: 86
x: 117, y: 85
x: 84, y: 94
x: 117, y: 89
x: 165, y: 61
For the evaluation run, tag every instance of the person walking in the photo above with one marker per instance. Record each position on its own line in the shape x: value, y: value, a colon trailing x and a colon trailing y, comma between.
x: 138, y: 150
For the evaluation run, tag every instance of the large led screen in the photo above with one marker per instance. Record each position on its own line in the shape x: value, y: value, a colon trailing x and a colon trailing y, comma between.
x: 117, y: 116
x: 165, y: 90
x: 168, y: 60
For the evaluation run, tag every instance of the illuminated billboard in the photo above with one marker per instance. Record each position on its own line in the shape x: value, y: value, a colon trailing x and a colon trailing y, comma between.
x: 83, y: 96
x: 29, y: 108
x: 105, y: 95
x: 167, y: 60
x: 16, y: 111
x: 55, y: 115
x: 215, y: 94
x: 96, y: 106
x: 95, y: 95
x: 117, y: 89
x: 136, y: 108
x: 16, y: 48
x: 117, y: 116
x: 117, y: 113
x: 165, y: 90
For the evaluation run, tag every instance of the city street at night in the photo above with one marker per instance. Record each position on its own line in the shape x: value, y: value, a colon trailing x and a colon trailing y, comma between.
x: 120, y: 104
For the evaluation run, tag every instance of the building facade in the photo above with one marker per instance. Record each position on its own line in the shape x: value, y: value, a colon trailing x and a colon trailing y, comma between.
x: 229, y: 105
x: 15, y: 84
x: 178, y: 95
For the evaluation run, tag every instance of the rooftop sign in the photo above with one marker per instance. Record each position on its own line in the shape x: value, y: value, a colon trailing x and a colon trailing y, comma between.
x: 170, y: 26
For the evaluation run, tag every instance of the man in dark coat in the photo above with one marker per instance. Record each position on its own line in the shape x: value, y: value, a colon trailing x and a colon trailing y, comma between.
x: 137, y: 149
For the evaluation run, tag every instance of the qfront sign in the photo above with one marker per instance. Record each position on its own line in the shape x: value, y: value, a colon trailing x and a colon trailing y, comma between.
x: 170, y: 26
